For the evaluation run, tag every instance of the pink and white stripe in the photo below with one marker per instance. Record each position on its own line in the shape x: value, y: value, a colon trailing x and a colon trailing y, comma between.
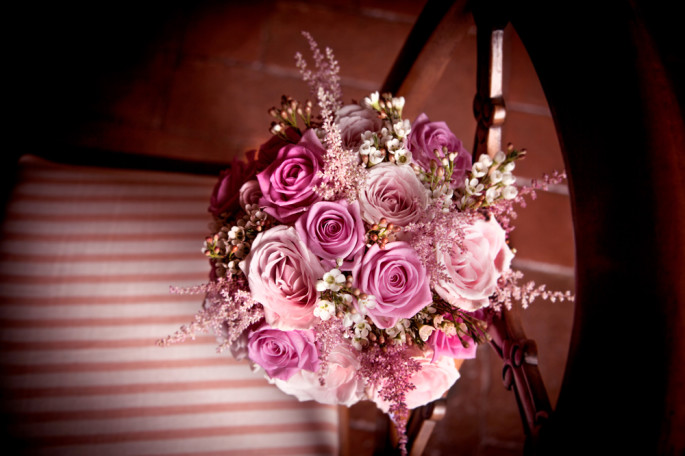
x: 86, y: 260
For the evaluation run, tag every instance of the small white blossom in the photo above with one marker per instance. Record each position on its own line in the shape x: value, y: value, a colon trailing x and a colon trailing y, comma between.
x: 499, y: 157
x: 479, y: 169
x: 361, y: 329
x: 332, y: 280
x: 491, y: 194
x: 509, y: 192
x: 372, y: 101
x: 402, y: 156
x: 324, y: 310
x: 485, y: 160
x: 496, y: 176
x: 425, y: 331
x: 402, y: 128
x: 398, y: 103
x: 508, y: 179
x: 367, y: 302
x: 509, y: 167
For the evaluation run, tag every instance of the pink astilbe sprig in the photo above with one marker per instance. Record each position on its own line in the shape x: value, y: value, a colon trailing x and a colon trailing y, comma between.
x: 227, y: 311
x: 325, y: 77
x: 437, y: 230
x: 391, y: 367
x: 329, y: 334
x: 509, y: 290
x: 505, y: 210
x: 342, y: 173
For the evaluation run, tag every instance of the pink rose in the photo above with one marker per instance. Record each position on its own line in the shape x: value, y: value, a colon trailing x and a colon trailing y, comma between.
x: 225, y: 196
x: 282, y: 275
x: 333, y: 230
x: 426, y: 137
x: 431, y: 382
x: 397, y: 279
x: 341, y: 385
x: 249, y: 193
x: 451, y: 346
x: 475, y: 270
x: 288, y: 183
x: 353, y: 121
x: 282, y: 354
x: 393, y: 192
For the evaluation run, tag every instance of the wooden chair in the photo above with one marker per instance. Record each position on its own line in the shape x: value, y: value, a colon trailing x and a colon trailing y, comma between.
x: 613, y: 79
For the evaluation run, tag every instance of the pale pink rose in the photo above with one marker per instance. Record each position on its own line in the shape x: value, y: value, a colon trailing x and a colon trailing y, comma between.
x: 431, y: 382
x: 249, y: 193
x: 282, y: 275
x: 342, y: 385
x: 288, y: 183
x: 353, y: 121
x: 397, y: 279
x: 333, y: 231
x: 474, y: 271
x: 283, y: 354
x: 393, y: 192
x: 225, y: 196
x: 427, y: 136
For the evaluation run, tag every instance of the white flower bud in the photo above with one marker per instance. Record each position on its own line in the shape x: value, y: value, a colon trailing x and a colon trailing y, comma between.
x: 500, y: 157
x: 485, y: 160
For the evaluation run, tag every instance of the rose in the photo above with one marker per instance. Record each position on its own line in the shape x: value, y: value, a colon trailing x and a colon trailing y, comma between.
x: 282, y: 275
x: 430, y: 382
x: 269, y: 150
x: 353, y: 121
x: 224, y: 197
x: 426, y: 137
x: 283, y: 353
x: 288, y: 183
x: 397, y: 279
x: 341, y: 385
x: 451, y: 346
x: 249, y: 193
x: 474, y: 271
x: 333, y: 231
x: 393, y: 192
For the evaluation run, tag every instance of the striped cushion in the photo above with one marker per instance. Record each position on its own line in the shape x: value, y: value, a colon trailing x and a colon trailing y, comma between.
x: 86, y: 261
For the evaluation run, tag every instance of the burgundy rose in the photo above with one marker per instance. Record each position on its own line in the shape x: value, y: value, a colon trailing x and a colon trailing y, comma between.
x: 225, y: 197
x: 288, y: 183
x: 426, y: 137
x: 397, y: 279
x: 333, y: 231
x: 283, y: 354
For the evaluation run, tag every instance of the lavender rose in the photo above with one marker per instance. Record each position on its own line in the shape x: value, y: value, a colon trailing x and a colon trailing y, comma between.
x: 225, y: 196
x: 288, y: 183
x: 283, y: 354
x: 353, y: 121
x: 427, y: 136
x: 341, y: 385
x: 397, y: 279
x: 282, y: 275
x: 333, y: 231
x: 474, y: 271
x: 394, y: 193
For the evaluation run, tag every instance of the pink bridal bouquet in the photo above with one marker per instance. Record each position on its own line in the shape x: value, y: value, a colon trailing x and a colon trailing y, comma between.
x: 357, y: 254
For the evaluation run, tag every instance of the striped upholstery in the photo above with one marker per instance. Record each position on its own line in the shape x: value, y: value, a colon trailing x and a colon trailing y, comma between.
x: 86, y: 261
